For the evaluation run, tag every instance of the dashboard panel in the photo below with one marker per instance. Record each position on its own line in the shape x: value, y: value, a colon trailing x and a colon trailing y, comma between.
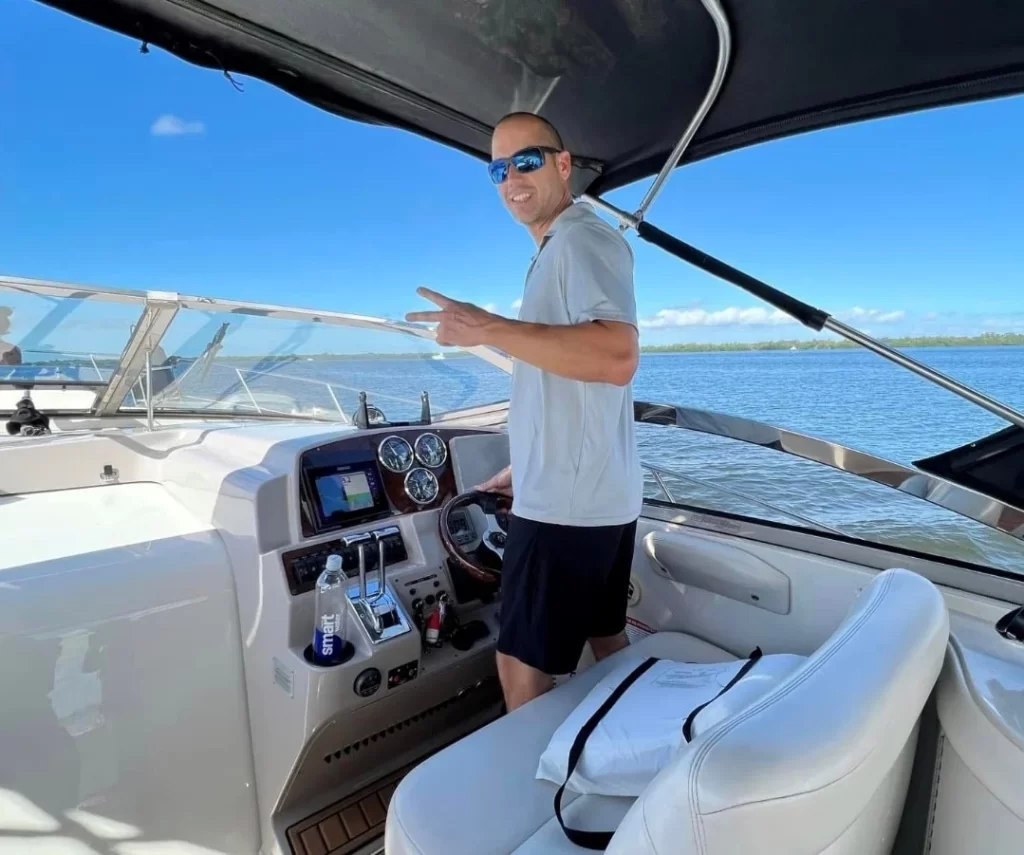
x: 368, y: 477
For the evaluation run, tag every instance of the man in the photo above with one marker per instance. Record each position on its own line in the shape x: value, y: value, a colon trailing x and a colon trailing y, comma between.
x: 10, y: 354
x: 575, y: 474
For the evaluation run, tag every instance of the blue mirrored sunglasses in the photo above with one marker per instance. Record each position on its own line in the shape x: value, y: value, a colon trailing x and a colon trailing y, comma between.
x: 526, y: 160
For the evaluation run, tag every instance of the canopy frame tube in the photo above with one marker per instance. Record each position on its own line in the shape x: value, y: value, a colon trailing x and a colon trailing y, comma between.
x: 814, y: 318
x: 717, y: 13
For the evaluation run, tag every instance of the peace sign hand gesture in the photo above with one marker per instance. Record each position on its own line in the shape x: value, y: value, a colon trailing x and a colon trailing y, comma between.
x: 460, y: 324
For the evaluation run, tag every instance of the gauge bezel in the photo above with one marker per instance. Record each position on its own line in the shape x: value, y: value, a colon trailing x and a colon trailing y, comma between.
x: 412, y: 453
x: 444, y: 448
x: 433, y: 477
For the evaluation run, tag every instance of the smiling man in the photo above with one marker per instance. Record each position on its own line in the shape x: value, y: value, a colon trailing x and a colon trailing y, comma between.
x: 575, y: 473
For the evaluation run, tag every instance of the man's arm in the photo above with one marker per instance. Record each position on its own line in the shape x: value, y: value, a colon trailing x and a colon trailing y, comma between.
x: 600, y: 344
x: 596, y: 351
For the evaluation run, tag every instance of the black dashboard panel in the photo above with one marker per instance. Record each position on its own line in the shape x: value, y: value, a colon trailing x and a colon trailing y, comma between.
x: 344, y: 483
x: 343, y: 487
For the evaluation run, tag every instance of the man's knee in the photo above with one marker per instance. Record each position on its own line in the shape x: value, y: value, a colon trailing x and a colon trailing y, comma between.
x: 604, y: 646
x: 520, y: 683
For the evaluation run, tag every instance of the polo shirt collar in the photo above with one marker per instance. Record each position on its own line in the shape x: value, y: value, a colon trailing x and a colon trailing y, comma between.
x: 575, y: 211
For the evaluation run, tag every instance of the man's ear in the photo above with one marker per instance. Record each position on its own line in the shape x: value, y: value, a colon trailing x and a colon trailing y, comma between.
x: 564, y: 161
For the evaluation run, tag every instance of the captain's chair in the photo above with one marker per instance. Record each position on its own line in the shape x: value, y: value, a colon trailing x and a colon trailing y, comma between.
x: 818, y: 766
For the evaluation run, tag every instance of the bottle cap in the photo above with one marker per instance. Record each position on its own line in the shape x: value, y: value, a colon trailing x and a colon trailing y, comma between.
x: 334, y: 562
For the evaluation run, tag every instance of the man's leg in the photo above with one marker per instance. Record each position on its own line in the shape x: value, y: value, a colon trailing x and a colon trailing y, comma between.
x: 608, y: 627
x: 547, y: 580
x: 520, y: 683
x: 606, y: 645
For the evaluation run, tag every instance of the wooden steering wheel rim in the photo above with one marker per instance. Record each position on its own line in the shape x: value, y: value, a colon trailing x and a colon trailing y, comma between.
x: 483, y: 574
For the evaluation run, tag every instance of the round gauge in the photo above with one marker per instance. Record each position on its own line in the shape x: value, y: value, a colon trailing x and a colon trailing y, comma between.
x: 421, y: 486
x: 395, y: 454
x: 430, y: 450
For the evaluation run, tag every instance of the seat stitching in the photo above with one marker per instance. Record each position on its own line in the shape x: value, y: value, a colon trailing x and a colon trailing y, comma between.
x: 793, y: 795
x: 781, y: 692
x: 646, y: 828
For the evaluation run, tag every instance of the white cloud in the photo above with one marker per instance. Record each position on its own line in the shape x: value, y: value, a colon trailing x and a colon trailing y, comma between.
x: 517, y: 304
x: 753, y: 316
x: 171, y: 126
x: 490, y: 307
x: 876, y: 316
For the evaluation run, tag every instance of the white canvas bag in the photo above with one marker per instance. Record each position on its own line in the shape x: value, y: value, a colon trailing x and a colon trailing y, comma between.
x: 644, y: 728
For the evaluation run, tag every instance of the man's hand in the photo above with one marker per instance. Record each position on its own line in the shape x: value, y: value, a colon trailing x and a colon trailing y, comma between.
x: 460, y: 324
x: 500, y: 483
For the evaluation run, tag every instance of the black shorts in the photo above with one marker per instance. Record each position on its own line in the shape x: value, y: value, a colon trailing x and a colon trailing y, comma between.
x: 561, y: 585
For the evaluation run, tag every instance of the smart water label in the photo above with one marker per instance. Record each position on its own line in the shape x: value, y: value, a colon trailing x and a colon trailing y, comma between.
x: 326, y: 643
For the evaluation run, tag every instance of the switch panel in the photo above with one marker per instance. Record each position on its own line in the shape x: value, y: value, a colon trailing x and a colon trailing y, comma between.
x: 403, y: 674
x: 303, y: 567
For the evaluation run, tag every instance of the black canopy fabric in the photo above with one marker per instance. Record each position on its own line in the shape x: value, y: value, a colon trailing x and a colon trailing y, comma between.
x: 620, y: 78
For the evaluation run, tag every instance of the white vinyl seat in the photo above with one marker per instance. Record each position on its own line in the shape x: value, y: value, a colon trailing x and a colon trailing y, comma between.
x: 480, y: 795
x: 818, y: 766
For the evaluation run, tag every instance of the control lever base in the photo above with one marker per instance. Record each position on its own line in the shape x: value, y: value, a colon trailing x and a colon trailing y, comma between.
x: 382, y: 619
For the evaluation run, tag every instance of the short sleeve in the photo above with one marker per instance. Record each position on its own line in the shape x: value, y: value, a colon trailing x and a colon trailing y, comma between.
x: 596, y: 269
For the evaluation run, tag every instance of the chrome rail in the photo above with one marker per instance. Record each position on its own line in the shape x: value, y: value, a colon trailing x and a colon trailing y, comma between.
x: 964, y: 501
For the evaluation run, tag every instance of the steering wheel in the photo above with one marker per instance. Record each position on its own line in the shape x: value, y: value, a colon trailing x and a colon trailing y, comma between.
x: 482, y: 548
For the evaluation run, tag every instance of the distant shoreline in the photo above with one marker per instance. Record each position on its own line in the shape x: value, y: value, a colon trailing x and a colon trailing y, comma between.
x: 985, y: 340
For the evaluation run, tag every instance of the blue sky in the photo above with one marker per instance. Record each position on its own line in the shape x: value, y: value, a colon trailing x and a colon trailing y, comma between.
x: 141, y: 171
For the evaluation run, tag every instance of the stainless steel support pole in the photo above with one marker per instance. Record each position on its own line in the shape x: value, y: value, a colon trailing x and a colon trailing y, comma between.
x: 717, y: 14
x: 149, y: 389
x: 806, y: 314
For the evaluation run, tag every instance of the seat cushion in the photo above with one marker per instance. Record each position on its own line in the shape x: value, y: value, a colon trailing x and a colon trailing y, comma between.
x: 481, y: 794
x: 821, y: 763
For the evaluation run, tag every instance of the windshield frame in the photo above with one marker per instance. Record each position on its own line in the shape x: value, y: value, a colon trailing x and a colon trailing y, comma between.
x: 157, y: 311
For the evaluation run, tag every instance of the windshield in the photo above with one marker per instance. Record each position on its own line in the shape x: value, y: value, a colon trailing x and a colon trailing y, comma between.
x: 75, y: 345
x: 71, y: 341
x: 219, y: 361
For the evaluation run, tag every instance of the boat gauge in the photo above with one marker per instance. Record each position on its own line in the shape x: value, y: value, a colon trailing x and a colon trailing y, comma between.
x: 421, y: 486
x: 395, y: 454
x: 431, y: 450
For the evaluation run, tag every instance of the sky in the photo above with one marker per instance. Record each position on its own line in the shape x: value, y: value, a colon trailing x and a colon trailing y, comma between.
x: 140, y: 171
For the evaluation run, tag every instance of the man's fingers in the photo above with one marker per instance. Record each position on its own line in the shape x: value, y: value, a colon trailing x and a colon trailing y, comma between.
x: 441, y: 300
x: 424, y: 316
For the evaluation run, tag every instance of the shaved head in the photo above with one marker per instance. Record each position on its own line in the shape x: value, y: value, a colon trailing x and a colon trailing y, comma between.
x: 535, y: 198
x: 548, y: 133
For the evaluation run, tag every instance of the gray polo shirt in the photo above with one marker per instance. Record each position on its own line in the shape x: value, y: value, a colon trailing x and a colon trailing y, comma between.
x: 573, y: 444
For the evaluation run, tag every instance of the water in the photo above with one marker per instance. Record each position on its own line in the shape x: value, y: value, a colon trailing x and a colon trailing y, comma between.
x: 852, y: 397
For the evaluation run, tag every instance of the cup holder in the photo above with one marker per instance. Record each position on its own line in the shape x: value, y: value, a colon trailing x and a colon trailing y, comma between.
x: 348, y: 650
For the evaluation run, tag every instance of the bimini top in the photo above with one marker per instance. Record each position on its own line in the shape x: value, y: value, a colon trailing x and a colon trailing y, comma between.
x: 620, y: 78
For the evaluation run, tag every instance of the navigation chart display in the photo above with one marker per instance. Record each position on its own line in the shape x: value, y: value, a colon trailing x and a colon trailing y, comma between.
x: 341, y: 488
x: 344, y: 492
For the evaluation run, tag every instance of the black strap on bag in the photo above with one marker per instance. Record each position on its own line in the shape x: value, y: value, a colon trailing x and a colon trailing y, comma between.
x: 688, y: 724
x: 599, y: 840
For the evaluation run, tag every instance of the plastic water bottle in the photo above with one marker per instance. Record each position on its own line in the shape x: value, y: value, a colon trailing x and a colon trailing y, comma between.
x: 331, y: 610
